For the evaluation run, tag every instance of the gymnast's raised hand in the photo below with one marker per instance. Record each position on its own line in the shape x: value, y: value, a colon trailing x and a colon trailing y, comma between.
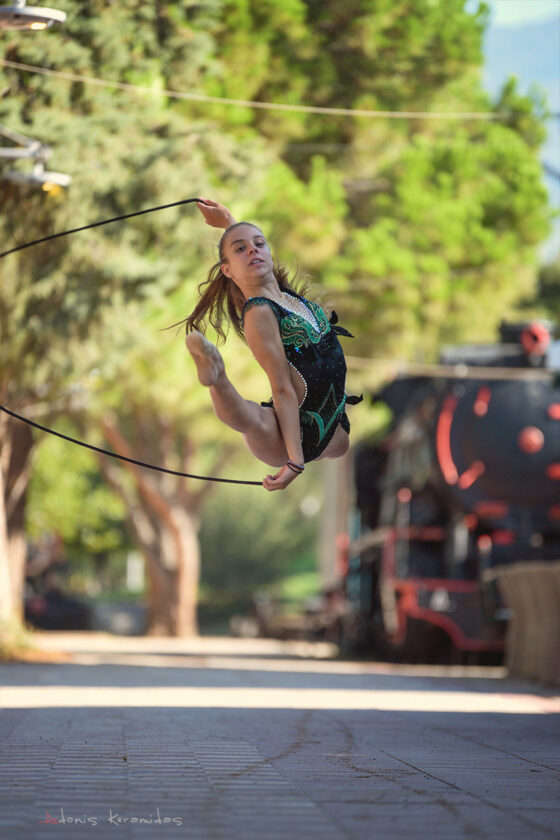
x: 292, y: 340
x: 215, y: 214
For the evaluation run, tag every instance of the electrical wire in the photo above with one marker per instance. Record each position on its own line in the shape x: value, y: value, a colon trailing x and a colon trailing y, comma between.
x: 252, y: 103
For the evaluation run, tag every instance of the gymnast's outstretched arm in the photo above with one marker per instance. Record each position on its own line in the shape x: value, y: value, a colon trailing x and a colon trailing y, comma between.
x: 263, y: 337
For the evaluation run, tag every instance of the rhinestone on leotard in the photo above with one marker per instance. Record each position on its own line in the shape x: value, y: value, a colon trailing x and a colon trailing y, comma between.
x: 298, y: 307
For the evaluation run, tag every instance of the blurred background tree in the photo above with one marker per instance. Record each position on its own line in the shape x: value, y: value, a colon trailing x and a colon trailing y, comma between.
x: 545, y: 299
x: 60, y: 300
x: 418, y: 230
x: 250, y: 544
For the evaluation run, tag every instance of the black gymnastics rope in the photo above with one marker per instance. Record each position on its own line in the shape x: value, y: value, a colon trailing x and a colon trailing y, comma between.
x: 123, y: 457
x: 98, y: 224
x: 81, y: 442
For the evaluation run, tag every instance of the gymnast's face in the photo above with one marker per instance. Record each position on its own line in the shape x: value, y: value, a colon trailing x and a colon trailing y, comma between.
x: 246, y: 255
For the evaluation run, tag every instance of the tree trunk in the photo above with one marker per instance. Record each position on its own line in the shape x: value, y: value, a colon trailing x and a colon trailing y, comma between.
x: 162, y: 517
x: 159, y: 594
x: 16, y: 446
x: 188, y: 574
x: 6, y: 597
x: 173, y: 575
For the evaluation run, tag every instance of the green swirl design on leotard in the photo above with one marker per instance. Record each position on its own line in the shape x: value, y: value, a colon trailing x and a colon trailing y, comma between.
x: 330, y: 412
x: 298, y: 332
x: 295, y: 330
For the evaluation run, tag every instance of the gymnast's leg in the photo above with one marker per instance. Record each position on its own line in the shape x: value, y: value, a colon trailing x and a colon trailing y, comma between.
x: 257, y: 424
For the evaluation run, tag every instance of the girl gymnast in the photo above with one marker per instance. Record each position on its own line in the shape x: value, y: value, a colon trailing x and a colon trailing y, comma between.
x: 290, y: 337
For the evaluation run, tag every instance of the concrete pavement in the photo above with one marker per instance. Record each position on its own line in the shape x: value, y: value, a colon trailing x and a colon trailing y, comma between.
x: 227, y: 739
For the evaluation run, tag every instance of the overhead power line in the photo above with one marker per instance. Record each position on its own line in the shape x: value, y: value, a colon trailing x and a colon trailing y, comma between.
x: 251, y: 103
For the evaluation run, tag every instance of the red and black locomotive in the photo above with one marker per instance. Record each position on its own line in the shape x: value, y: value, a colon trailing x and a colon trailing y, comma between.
x: 465, y: 478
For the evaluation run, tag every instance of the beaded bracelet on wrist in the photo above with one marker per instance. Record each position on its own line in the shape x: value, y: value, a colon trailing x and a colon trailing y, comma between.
x: 297, y: 468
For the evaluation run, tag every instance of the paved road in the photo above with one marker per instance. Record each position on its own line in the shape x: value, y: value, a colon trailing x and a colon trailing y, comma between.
x: 224, y: 739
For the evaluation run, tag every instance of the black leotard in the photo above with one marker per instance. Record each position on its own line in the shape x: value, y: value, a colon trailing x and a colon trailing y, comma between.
x: 318, y: 358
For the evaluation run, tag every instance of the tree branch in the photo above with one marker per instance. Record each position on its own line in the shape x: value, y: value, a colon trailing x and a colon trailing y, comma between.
x: 137, y: 518
x: 197, y: 498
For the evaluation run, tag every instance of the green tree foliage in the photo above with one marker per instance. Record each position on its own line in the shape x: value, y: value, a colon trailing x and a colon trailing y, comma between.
x: 545, y: 300
x: 455, y: 250
x: 407, y: 214
x: 123, y: 152
x: 249, y: 543
x: 424, y: 229
x: 74, y: 503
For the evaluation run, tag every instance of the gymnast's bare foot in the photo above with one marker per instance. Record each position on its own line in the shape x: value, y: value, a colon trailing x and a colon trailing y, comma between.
x: 207, y: 357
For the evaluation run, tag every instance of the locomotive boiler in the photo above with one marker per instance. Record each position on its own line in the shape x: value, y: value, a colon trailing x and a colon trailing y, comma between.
x: 465, y: 478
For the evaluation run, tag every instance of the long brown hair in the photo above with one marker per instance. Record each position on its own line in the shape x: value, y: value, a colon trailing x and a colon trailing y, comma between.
x: 221, y: 301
